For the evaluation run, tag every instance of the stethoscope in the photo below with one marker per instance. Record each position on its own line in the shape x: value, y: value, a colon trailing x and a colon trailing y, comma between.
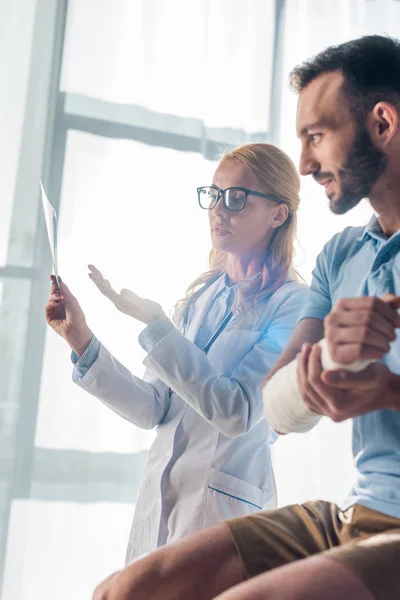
x: 188, y: 307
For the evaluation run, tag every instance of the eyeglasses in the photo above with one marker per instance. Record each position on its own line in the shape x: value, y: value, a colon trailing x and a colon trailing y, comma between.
x: 233, y: 198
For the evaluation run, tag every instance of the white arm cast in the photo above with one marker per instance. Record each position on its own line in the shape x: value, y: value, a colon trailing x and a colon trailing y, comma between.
x: 284, y: 408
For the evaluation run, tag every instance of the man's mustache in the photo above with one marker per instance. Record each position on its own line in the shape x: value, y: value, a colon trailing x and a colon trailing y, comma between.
x: 321, y: 175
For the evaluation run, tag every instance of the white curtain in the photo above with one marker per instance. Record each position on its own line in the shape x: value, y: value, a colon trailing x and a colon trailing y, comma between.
x: 149, y: 89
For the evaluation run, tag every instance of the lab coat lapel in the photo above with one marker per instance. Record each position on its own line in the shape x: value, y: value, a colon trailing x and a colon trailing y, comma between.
x: 200, y: 309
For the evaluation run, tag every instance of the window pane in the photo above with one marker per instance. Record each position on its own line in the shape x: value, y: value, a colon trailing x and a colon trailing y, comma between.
x: 14, y: 308
x: 63, y: 550
x: 14, y: 305
x: 162, y: 55
x: 132, y: 210
x: 16, y: 29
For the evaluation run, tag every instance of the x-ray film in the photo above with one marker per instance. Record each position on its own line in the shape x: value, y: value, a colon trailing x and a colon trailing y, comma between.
x: 50, y: 215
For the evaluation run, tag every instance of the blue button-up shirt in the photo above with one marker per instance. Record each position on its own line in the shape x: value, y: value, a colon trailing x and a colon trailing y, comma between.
x: 364, y: 262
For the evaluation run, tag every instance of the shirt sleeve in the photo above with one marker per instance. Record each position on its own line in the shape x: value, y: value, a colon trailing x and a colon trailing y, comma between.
x: 83, y: 363
x: 154, y: 332
x: 319, y: 303
x: 142, y: 401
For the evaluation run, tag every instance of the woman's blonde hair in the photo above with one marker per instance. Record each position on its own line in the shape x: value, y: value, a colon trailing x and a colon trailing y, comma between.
x: 278, y: 176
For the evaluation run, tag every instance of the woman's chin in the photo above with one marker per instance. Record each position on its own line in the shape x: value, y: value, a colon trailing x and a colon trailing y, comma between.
x: 222, y: 244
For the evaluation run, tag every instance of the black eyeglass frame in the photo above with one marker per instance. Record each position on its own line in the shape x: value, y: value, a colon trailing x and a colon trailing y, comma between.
x: 221, y: 194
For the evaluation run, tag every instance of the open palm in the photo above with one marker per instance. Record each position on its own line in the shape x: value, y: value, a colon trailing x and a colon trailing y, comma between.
x: 126, y: 301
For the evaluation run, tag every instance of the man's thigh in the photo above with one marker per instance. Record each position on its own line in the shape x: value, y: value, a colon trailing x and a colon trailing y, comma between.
x: 271, y: 539
x: 366, y: 543
x: 314, y: 578
x: 376, y: 562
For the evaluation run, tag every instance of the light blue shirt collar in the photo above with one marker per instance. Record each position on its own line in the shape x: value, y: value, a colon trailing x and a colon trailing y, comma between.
x: 372, y: 230
x: 235, y: 286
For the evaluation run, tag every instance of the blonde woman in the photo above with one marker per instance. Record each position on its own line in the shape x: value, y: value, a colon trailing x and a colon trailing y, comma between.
x: 202, y: 389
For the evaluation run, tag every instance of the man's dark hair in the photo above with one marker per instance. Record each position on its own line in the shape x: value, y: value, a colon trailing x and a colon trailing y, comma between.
x: 371, y: 69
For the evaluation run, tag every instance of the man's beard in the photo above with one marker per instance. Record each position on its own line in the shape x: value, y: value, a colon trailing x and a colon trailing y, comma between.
x: 362, y: 168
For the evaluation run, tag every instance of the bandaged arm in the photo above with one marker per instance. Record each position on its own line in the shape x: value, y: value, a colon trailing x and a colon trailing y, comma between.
x: 284, y: 408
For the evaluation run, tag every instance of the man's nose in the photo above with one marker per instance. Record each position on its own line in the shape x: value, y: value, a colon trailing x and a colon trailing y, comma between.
x: 308, y: 165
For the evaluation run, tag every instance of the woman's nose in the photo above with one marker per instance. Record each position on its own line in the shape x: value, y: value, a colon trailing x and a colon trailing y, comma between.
x: 219, y: 209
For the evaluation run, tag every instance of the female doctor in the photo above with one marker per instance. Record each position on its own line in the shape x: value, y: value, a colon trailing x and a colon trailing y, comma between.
x: 202, y: 388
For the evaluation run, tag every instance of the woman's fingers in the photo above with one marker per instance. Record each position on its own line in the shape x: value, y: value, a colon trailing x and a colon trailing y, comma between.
x: 93, y: 269
x: 126, y: 301
x: 96, y: 275
x: 103, y: 285
x: 61, y: 290
x: 131, y: 296
x: 54, y: 286
x: 55, y: 308
x: 55, y: 298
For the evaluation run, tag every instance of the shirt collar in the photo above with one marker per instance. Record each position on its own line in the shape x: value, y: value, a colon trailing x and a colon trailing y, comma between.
x: 235, y: 286
x: 372, y: 230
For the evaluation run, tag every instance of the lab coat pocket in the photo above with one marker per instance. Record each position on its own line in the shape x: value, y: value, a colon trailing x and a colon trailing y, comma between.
x: 228, y: 497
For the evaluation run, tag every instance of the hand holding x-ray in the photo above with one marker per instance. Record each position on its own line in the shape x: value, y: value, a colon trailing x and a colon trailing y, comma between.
x: 50, y: 215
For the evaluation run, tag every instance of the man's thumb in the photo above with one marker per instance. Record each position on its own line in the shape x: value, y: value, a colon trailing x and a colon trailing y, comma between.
x: 392, y: 300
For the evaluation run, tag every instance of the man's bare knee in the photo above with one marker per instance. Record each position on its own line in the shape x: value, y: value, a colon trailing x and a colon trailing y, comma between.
x: 200, y: 566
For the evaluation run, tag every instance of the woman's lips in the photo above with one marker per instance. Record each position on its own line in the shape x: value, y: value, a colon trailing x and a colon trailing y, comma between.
x: 219, y: 231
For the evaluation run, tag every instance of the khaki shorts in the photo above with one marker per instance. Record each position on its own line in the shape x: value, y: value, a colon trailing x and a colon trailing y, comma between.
x: 366, y: 541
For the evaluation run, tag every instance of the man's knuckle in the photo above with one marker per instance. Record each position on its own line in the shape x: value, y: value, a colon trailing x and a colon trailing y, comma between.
x: 333, y: 337
x: 336, y: 418
x: 334, y: 412
x: 313, y: 379
x: 330, y: 319
x: 339, y: 305
x: 307, y: 401
x: 369, y: 323
x: 358, y: 352
x: 365, y: 335
x: 374, y: 302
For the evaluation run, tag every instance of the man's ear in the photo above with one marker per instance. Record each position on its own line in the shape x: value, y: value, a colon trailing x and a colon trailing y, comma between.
x: 383, y: 124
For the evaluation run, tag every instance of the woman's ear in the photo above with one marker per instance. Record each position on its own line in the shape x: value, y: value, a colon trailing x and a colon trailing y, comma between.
x: 280, y: 215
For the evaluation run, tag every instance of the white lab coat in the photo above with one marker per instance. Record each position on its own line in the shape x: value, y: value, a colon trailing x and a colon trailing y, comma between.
x: 210, y: 460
